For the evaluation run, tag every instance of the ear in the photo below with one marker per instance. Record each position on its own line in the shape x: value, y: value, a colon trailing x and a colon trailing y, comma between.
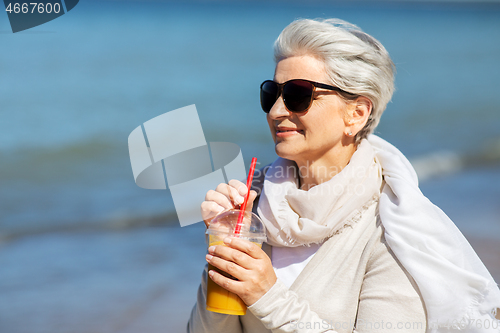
x: 358, y: 113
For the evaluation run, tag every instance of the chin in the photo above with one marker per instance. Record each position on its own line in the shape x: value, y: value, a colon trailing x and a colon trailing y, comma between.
x: 285, y: 152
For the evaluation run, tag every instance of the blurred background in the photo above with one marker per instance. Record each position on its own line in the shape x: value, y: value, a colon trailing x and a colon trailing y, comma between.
x: 83, y: 249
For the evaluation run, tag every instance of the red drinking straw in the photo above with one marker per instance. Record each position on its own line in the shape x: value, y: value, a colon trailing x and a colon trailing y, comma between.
x: 237, y: 229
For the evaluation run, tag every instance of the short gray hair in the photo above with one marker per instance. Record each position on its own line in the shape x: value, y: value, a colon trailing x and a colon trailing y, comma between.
x: 355, y: 61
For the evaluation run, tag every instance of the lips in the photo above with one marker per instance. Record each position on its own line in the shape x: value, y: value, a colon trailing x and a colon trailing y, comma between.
x: 287, y: 131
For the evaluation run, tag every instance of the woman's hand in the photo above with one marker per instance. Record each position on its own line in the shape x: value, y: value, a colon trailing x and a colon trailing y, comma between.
x: 225, y: 196
x: 246, y: 262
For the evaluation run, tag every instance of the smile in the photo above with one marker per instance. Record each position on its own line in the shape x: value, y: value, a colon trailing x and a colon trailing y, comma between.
x: 285, y: 132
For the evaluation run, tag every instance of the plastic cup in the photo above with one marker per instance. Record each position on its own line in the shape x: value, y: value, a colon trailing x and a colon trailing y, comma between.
x: 224, y: 225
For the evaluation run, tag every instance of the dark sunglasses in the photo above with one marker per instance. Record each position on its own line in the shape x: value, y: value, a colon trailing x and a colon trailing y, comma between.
x: 297, y: 94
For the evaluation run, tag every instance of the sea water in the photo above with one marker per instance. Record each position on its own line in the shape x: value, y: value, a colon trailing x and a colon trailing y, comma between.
x: 74, y: 88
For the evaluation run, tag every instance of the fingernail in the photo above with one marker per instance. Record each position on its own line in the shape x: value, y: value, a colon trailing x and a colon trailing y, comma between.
x: 243, y: 190
x: 211, y: 273
x: 211, y: 249
x: 209, y: 257
x: 239, y: 200
x: 227, y: 240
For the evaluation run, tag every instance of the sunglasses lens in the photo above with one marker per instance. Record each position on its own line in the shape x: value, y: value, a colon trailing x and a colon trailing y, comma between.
x: 268, y: 95
x: 298, y: 95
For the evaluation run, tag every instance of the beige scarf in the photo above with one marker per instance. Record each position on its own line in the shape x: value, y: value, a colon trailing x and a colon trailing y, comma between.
x: 294, y: 217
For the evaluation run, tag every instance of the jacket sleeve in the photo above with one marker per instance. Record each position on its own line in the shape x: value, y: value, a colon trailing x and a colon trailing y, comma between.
x: 204, y: 321
x: 282, y: 311
x: 389, y: 300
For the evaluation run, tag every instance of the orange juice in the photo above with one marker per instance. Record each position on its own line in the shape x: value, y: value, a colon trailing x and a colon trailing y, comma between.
x: 219, y: 299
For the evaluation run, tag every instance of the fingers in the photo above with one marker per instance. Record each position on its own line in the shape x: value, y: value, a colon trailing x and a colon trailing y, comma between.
x: 225, y: 282
x: 245, y: 246
x: 209, y: 209
x: 239, y: 251
x: 217, y: 201
x: 231, y: 193
x: 239, y: 186
x: 254, y: 276
x: 226, y: 266
x: 219, y: 198
x: 242, y: 191
x: 225, y: 196
x: 228, y: 254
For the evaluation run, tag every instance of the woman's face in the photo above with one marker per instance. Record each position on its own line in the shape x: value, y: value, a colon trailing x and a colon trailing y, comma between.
x: 316, y: 134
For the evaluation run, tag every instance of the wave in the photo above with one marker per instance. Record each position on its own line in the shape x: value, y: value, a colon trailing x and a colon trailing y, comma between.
x: 167, y: 219
x: 447, y: 162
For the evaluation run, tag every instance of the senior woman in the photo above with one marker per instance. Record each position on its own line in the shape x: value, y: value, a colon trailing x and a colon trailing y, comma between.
x: 352, y: 244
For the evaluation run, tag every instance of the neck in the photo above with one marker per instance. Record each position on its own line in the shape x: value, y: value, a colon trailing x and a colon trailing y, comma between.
x: 318, y: 171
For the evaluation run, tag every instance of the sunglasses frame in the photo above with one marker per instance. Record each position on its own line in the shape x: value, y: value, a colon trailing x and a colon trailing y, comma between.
x: 314, y: 84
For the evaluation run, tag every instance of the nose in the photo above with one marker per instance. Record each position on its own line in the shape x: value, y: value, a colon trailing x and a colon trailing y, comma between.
x: 278, y: 110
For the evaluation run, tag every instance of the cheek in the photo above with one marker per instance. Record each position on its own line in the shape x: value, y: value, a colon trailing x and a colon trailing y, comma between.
x: 326, y: 128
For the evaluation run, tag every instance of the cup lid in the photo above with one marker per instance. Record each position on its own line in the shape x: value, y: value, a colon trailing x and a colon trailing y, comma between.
x: 225, y: 224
